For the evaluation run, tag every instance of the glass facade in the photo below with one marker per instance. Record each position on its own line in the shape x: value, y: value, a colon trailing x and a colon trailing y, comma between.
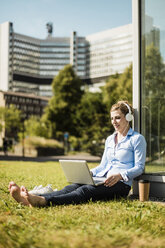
x: 26, y: 56
x: 153, y: 81
x: 34, y: 62
x: 109, y: 52
x: 37, y: 59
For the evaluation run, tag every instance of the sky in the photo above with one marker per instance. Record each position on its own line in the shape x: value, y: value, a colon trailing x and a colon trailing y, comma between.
x: 29, y: 17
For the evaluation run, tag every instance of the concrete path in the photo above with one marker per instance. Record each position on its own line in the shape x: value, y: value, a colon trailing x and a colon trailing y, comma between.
x: 80, y: 156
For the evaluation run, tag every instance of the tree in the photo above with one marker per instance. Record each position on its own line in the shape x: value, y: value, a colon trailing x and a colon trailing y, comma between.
x: 154, y: 101
x: 61, y: 110
x: 10, y: 121
x: 34, y: 126
x: 154, y: 72
x: 118, y: 87
x: 110, y: 93
x: 92, y: 122
x: 84, y: 115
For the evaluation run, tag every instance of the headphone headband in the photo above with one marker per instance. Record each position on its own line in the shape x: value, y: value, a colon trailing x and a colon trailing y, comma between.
x: 128, y: 107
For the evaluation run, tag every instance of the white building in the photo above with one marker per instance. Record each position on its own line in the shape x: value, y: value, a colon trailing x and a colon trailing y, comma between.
x: 109, y: 52
x: 29, y: 64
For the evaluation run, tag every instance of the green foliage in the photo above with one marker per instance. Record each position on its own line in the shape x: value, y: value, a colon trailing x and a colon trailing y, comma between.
x: 43, y: 146
x: 74, y: 143
x: 93, y: 114
x: 84, y: 115
x: 154, y: 101
x: 34, y: 126
x: 110, y: 94
x: 10, y: 118
x: 61, y: 110
x: 154, y: 72
x: 42, y: 142
x: 92, y: 122
x: 117, y: 223
x: 118, y: 87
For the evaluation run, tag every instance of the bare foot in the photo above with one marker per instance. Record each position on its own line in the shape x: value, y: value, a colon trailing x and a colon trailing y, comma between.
x: 11, y: 184
x: 19, y: 194
x: 35, y: 200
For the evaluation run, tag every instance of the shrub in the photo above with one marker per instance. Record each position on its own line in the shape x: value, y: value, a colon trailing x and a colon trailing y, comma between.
x: 44, y: 147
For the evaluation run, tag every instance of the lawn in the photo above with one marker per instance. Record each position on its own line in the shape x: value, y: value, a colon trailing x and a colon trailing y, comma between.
x: 119, y: 223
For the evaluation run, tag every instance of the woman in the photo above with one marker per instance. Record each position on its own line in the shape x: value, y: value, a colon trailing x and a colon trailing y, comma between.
x: 123, y: 159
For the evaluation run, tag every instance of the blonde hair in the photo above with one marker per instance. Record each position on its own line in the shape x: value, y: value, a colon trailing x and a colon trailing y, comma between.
x: 122, y: 107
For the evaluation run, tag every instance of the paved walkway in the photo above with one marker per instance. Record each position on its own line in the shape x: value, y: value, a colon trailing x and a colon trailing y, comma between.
x: 80, y: 156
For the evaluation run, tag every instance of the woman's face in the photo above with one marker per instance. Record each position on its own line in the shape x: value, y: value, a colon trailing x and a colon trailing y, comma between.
x: 118, y: 120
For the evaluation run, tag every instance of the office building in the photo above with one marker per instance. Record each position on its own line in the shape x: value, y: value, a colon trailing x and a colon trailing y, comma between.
x: 30, y: 105
x: 29, y: 64
x: 109, y: 52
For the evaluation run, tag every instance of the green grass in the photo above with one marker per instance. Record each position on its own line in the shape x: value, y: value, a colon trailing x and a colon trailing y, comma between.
x: 123, y: 223
x: 152, y: 168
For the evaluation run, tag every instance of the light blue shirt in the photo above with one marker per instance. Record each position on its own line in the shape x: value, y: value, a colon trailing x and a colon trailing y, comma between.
x: 127, y: 157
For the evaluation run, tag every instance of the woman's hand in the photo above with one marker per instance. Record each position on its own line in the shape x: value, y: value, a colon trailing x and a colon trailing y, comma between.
x: 112, y: 180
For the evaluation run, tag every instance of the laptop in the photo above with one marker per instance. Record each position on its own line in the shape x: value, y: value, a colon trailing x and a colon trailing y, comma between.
x: 77, y: 171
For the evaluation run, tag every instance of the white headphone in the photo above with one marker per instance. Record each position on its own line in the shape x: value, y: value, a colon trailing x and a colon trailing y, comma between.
x: 129, y: 116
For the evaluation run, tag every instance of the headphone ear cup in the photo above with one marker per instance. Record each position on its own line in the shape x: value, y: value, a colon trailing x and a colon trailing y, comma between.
x: 129, y: 117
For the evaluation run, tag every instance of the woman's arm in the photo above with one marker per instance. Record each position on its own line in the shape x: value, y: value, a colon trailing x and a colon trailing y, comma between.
x: 139, y: 159
x: 139, y: 146
x: 103, y: 162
